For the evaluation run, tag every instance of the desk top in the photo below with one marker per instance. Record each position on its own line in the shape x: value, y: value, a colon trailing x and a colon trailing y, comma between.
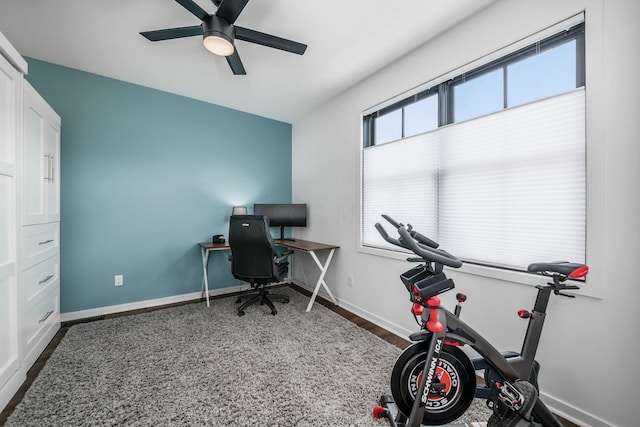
x: 304, y: 245
x: 299, y: 244
x: 215, y: 246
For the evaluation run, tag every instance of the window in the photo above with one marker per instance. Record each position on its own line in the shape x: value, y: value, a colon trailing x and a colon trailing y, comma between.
x: 490, y: 163
x: 388, y: 127
x: 421, y: 116
x: 546, y: 74
x: 411, y: 116
x: 479, y: 96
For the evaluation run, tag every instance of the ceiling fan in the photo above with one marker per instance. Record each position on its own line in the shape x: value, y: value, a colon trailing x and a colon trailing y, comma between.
x: 219, y: 33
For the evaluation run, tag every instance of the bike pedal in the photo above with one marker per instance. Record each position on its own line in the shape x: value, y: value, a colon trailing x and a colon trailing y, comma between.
x: 512, y: 403
x: 510, y: 396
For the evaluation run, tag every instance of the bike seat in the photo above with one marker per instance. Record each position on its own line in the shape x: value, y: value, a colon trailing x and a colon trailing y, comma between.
x: 569, y: 269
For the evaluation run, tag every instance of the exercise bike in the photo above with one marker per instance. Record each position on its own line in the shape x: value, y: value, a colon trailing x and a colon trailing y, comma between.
x: 433, y: 381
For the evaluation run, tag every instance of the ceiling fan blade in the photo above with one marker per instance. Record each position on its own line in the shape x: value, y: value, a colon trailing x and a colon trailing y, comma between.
x: 230, y: 9
x: 193, y: 8
x: 235, y: 63
x: 268, y: 40
x: 172, y: 33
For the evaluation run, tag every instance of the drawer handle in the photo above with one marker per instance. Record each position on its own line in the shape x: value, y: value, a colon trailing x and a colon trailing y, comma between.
x: 46, y: 279
x: 45, y: 242
x: 46, y: 316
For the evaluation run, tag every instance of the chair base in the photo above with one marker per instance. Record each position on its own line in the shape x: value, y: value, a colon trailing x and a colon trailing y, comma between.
x: 264, y: 298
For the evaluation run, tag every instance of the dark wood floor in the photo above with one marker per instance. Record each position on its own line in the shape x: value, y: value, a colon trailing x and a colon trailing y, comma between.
x: 35, y: 369
x: 32, y: 374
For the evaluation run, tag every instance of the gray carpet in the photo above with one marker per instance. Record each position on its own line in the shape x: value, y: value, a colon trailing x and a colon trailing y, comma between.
x: 196, y: 366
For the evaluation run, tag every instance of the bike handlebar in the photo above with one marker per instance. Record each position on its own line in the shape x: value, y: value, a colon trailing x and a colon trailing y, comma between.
x: 414, y: 242
x: 388, y: 238
x: 392, y: 221
x: 426, y: 252
x: 419, y: 237
x: 424, y: 239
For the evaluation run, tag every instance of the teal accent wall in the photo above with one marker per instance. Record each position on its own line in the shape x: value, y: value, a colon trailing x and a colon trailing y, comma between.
x: 145, y: 176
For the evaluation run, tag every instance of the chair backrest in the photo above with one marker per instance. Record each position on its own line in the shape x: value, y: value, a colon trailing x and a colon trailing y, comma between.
x: 253, y: 253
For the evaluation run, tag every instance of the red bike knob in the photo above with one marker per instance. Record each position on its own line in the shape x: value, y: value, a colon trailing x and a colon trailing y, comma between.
x: 417, y: 309
x: 379, y: 412
x: 434, y: 324
x: 433, y: 302
x: 461, y: 297
x: 524, y: 314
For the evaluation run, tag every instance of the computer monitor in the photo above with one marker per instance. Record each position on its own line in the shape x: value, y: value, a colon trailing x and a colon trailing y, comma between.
x: 283, y: 215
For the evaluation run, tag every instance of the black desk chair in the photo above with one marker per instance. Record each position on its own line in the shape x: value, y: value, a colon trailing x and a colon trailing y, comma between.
x: 254, y: 259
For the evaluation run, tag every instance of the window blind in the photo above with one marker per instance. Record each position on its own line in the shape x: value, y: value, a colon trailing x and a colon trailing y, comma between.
x: 504, y: 189
x: 512, y: 184
x: 399, y: 179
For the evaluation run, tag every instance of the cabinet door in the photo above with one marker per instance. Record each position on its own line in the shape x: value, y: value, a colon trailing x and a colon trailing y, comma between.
x: 36, y: 160
x: 8, y: 105
x: 9, y: 328
x: 53, y: 183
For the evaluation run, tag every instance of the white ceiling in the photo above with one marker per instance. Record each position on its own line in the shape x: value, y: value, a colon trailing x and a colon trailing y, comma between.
x: 347, y: 41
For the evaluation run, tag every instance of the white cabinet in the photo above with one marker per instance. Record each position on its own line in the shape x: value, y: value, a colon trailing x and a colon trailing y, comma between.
x: 29, y: 223
x: 40, y: 280
x: 41, y: 188
x: 11, y: 374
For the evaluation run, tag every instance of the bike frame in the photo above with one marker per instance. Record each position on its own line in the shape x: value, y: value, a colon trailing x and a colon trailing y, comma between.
x: 511, y: 368
x: 441, y: 327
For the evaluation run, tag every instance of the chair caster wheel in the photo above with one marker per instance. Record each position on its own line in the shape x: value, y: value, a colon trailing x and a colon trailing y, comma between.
x: 241, y: 313
x: 274, y: 312
x: 239, y: 300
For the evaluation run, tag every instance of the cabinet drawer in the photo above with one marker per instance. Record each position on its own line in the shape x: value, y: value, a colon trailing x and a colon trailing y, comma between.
x: 39, y: 243
x: 40, y: 279
x: 36, y: 322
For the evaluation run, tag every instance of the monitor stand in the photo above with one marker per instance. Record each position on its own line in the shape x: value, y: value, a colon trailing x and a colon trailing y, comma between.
x: 285, y: 238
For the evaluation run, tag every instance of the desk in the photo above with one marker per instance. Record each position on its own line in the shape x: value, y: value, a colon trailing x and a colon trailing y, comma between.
x: 311, y: 248
x: 297, y: 245
x: 205, y: 249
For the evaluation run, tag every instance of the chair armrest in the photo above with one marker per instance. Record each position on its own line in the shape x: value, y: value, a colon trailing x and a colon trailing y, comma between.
x: 284, y: 256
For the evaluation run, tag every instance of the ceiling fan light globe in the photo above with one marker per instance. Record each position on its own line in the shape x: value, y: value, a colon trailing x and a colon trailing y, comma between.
x: 218, y: 45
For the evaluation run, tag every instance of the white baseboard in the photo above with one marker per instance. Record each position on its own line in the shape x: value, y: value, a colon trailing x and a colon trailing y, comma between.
x: 573, y: 414
x: 111, y: 309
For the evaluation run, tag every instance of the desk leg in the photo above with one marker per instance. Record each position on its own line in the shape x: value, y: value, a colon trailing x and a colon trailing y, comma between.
x: 205, y: 272
x: 321, y: 282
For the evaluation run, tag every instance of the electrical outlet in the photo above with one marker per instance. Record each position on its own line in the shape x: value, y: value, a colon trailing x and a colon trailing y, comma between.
x: 119, y: 280
x: 350, y: 281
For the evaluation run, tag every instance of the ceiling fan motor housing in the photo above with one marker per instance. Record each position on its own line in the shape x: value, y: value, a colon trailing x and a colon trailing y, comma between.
x: 214, y: 26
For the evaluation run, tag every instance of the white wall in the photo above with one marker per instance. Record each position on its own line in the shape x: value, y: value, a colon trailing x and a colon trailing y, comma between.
x: 588, y: 373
